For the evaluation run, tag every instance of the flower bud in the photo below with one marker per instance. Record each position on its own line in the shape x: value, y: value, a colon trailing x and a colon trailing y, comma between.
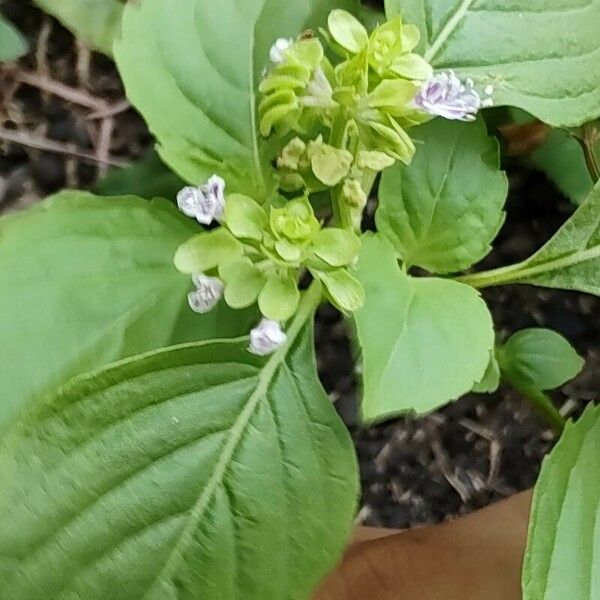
x: 266, y: 337
x: 207, y: 294
x: 278, y: 50
x: 205, y: 203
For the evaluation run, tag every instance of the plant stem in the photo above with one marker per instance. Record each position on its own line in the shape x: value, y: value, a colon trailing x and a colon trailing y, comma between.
x: 587, y: 145
x: 542, y: 404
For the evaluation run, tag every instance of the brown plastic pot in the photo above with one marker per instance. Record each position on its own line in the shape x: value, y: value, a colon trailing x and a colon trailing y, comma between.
x: 477, y: 557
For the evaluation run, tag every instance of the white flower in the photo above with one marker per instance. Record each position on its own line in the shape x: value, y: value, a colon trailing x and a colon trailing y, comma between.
x: 208, y: 292
x: 266, y: 337
x: 205, y: 203
x: 446, y: 96
x: 278, y: 50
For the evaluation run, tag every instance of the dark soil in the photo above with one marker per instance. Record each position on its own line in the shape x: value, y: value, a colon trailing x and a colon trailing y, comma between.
x: 414, y: 471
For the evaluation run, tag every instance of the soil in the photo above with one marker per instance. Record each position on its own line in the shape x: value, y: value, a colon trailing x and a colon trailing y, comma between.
x: 414, y: 470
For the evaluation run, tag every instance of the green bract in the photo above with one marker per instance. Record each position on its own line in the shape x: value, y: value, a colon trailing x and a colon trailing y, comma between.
x: 260, y: 252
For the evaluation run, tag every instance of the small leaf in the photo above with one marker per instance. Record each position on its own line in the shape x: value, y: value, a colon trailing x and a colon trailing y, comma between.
x: 540, y: 358
x: 520, y: 58
x: 443, y: 211
x: 12, y: 43
x: 96, y: 22
x: 329, y: 164
x: 278, y: 300
x: 561, y: 560
x: 206, y: 251
x: 491, y: 378
x: 425, y: 341
x: 195, y: 472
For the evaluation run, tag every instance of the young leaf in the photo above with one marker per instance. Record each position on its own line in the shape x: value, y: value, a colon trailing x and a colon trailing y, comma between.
x: 570, y: 260
x: 96, y: 22
x: 515, y: 46
x: 561, y: 560
x: 86, y: 281
x: 491, y: 378
x: 12, y: 43
x: 196, y: 472
x: 425, y: 341
x: 442, y: 212
x: 197, y: 90
x: 539, y: 358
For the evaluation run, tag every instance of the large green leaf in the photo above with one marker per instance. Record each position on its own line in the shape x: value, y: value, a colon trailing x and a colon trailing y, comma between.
x: 148, y: 178
x: 200, y: 472
x: 197, y: 88
x: 540, y: 358
x: 570, y: 260
x: 12, y: 42
x: 96, y: 22
x: 85, y: 281
x: 425, y: 341
x: 563, y: 551
x: 540, y: 55
x: 442, y: 212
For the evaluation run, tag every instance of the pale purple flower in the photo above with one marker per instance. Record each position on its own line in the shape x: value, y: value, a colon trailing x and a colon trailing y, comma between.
x: 205, y: 203
x: 446, y: 96
x: 208, y: 292
x: 278, y: 50
x: 266, y: 337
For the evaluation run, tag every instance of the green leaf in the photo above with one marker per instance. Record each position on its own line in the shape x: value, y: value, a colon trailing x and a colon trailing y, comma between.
x: 197, y: 90
x: 443, y: 211
x: 12, y: 43
x: 148, y: 178
x: 207, y: 250
x: 561, y: 158
x: 196, y: 472
x: 540, y: 55
x: 96, y: 22
x: 570, y: 260
x: 491, y: 378
x: 540, y: 358
x: 425, y: 341
x: 86, y: 281
x: 563, y: 548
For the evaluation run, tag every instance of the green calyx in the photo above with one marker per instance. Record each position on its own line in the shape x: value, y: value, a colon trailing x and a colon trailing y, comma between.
x: 295, y: 90
x: 259, y: 254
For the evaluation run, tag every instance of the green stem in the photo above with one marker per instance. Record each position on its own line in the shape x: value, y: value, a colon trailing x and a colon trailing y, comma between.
x: 542, y: 404
x: 587, y: 145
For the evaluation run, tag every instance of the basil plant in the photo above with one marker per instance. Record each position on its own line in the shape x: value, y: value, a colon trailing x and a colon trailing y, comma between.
x: 164, y: 434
